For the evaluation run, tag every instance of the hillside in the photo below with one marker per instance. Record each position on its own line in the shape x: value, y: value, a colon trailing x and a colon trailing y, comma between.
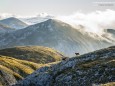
x: 13, y: 70
x: 18, y: 62
x: 4, y: 28
x: 57, y: 35
x: 36, y: 54
x: 13, y: 23
x: 108, y: 84
x: 95, y: 68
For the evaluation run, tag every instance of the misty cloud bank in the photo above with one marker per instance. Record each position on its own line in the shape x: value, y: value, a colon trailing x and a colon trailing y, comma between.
x: 94, y: 23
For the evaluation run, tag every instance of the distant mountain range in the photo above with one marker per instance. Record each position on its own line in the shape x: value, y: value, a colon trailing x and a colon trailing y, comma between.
x: 28, y: 19
x: 54, y: 34
x: 37, y: 19
x: 13, y: 23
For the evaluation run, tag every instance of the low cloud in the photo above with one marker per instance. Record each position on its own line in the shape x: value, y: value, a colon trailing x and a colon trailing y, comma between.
x: 94, y: 23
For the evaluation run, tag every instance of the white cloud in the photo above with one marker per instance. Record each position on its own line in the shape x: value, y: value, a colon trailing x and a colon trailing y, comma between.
x: 6, y: 15
x: 94, y: 22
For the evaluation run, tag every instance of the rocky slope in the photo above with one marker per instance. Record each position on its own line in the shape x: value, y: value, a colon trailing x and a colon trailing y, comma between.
x: 57, y: 35
x: 13, y: 23
x: 38, y: 54
x: 95, y: 68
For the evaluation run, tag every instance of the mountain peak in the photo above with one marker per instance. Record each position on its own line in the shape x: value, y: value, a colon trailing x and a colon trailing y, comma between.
x: 13, y: 23
x: 56, y: 21
x: 11, y: 18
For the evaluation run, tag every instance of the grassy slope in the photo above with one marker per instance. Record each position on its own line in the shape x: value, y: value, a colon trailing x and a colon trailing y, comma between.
x: 36, y: 54
x: 108, y: 84
x: 16, y: 68
x: 18, y: 62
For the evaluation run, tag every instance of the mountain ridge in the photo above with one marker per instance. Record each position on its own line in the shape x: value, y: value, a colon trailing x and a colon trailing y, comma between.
x: 54, y: 34
x: 98, y: 65
x: 13, y: 23
x: 37, y: 54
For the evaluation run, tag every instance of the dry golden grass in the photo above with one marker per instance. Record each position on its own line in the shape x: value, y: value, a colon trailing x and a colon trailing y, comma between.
x: 22, y: 61
x: 19, y: 68
x: 108, y: 84
x: 36, y: 54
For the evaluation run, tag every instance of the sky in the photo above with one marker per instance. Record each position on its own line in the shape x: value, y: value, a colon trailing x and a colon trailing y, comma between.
x: 55, y: 7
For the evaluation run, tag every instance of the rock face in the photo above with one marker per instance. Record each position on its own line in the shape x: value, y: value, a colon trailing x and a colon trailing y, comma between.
x: 13, y: 23
x: 54, y: 34
x: 93, y: 68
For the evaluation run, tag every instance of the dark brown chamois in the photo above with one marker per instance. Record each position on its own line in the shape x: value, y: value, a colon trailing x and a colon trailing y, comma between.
x: 77, y: 54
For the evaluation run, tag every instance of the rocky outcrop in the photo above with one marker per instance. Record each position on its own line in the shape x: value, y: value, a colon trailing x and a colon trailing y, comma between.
x: 85, y: 70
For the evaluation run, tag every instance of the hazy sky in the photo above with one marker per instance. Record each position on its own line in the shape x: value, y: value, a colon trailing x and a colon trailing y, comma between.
x: 55, y: 7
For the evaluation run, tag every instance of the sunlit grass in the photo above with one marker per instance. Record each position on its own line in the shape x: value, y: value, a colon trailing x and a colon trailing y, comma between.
x: 36, y: 54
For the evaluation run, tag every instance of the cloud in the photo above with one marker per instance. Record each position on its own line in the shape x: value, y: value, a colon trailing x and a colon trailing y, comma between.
x: 6, y: 15
x: 94, y: 23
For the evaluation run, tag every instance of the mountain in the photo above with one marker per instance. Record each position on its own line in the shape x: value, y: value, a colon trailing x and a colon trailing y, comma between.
x: 13, y: 23
x: 36, y: 54
x: 57, y: 35
x: 112, y: 32
x: 4, y: 28
x: 91, y: 69
x: 22, y: 62
x: 37, y: 19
